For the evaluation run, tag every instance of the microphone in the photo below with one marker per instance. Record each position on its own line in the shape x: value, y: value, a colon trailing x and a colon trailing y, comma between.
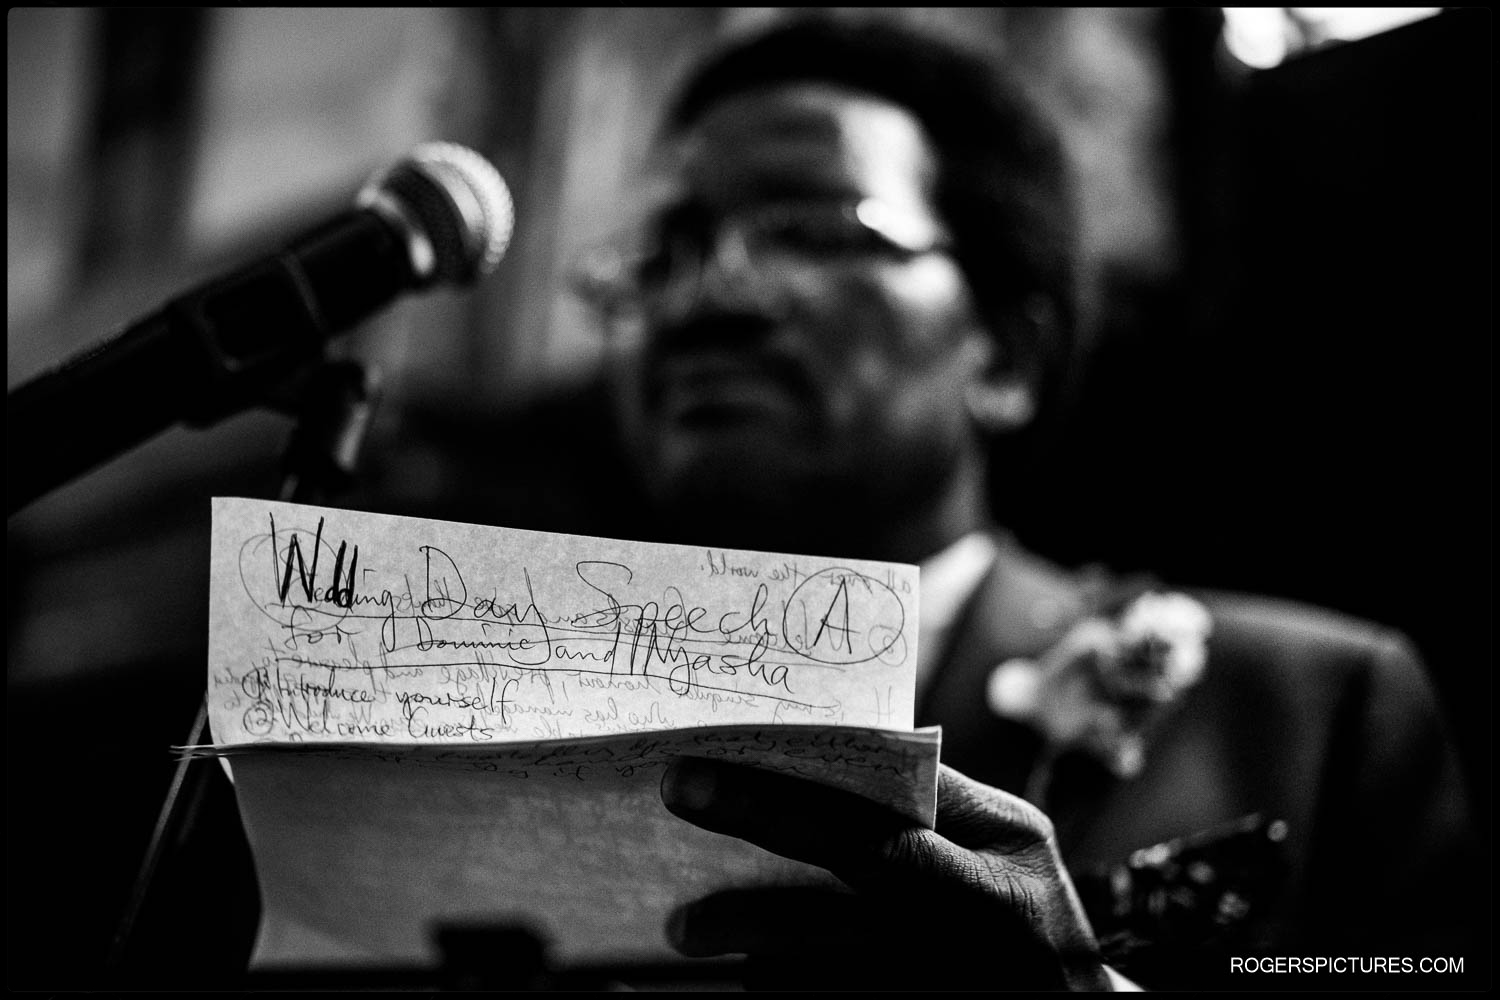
x: 442, y: 215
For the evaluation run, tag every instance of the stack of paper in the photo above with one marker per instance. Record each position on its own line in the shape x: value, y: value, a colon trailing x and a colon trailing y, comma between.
x: 434, y: 722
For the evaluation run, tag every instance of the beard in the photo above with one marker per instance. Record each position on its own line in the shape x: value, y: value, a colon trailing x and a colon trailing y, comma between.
x: 772, y: 496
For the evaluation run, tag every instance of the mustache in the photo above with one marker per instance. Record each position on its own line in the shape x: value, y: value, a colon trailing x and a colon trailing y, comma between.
x: 726, y: 332
x: 709, y: 344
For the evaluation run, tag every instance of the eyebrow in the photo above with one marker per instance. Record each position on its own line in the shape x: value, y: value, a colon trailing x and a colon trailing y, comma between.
x: 792, y: 172
x: 799, y: 187
x: 762, y: 191
x: 801, y: 123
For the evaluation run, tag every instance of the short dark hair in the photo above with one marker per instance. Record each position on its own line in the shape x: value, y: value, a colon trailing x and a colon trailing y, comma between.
x: 1003, y: 187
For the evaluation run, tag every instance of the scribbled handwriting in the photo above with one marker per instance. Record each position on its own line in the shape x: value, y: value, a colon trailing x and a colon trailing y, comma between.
x: 348, y: 626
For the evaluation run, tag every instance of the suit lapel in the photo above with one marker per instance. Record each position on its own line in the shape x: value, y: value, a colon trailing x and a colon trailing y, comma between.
x: 1022, y: 607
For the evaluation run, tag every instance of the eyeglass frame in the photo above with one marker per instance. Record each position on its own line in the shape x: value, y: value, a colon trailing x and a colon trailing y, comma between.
x: 608, y: 278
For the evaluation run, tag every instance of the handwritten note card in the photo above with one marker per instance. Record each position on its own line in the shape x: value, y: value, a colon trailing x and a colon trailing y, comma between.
x: 362, y: 851
x: 348, y: 626
x: 432, y: 721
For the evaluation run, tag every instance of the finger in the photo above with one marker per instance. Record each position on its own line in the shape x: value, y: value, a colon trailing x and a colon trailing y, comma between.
x: 979, y: 817
x: 1012, y: 888
x: 850, y: 836
x: 865, y: 845
x: 780, y: 921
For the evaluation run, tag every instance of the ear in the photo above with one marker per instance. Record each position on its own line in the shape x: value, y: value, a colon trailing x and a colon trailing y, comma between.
x: 1001, y: 405
x: 1002, y: 398
x: 999, y: 395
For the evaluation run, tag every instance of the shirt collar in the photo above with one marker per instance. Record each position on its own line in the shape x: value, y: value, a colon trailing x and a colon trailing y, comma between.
x: 948, y: 580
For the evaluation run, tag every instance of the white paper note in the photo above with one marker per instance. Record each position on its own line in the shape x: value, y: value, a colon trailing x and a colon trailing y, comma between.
x: 362, y: 851
x: 349, y: 626
x: 435, y: 722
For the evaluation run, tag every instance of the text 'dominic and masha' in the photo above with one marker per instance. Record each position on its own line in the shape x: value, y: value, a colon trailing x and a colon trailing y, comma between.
x: 346, y: 626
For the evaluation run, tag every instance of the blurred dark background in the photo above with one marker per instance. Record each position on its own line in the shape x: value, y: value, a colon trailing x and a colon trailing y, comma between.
x: 1284, y: 384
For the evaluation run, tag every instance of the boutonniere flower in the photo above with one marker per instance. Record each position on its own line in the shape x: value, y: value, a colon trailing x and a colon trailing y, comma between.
x: 1108, y: 681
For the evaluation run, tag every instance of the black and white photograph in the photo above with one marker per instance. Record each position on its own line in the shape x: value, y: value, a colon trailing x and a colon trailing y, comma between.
x: 761, y: 498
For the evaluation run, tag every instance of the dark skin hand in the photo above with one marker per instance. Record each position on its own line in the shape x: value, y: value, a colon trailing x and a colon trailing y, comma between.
x: 982, y: 902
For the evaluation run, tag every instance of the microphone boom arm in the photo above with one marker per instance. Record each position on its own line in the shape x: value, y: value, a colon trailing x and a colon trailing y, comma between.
x: 441, y: 215
x: 213, y: 352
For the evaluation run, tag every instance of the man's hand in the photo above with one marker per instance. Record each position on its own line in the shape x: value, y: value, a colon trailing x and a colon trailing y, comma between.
x: 981, y: 902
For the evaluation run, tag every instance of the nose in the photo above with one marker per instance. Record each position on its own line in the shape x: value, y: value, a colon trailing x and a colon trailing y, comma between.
x: 724, y: 278
x: 726, y: 301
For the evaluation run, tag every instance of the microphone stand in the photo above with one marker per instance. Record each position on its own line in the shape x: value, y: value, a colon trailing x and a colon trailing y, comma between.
x: 334, y: 403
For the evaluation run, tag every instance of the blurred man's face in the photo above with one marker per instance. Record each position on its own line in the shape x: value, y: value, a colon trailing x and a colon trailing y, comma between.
x: 803, y: 336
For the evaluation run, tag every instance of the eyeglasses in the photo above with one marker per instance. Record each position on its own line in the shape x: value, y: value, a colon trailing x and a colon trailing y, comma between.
x: 765, y: 239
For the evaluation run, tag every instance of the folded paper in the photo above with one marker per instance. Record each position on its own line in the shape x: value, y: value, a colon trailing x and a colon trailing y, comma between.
x: 349, y: 626
x: 433, y: 722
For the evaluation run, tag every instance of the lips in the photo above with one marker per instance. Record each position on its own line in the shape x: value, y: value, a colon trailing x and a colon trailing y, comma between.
x: 708, y: 388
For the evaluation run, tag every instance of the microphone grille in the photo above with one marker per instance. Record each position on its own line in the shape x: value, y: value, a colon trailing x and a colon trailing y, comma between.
x: 454, y: 207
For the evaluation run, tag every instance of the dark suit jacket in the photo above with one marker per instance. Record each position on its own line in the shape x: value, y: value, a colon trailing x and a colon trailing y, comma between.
x: 1301, y: 715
